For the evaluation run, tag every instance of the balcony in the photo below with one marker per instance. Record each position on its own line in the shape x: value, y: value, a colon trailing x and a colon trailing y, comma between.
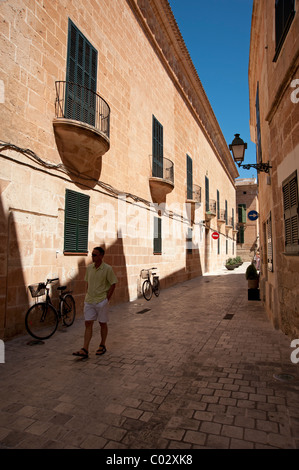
x: 81, y: 125
x: 210, y: 209
x: 194, y: 196
x: 229, y: 223
x: 161, y: 180
x: 221, y: 217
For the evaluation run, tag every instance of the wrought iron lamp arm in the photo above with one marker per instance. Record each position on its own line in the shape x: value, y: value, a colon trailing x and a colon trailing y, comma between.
x: 262, y: 167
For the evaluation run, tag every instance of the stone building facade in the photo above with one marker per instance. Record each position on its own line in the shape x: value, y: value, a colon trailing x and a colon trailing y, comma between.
x: 107, y: 138
x: 248, y: 229
x: 274, y: 121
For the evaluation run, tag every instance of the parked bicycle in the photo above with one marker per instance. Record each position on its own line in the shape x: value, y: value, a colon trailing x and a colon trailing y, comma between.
x: 151, y: 284
x: 42, y: 318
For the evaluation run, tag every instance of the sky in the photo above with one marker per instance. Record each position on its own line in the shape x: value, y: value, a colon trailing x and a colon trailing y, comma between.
x: 217, y: 36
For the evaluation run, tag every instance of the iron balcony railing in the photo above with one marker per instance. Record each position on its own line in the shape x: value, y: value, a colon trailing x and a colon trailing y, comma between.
x: 164, y: 169
x: 222, y: 214
x: 212, y: 206
x: 229, y: 222
x: 194, y: 193
x: 76, y: 102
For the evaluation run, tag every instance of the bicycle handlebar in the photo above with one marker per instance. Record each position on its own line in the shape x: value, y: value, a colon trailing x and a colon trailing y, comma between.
x: 52, y: 280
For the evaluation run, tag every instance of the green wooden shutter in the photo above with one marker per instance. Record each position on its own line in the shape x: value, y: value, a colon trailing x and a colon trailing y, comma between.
x: 242, y: 213
x: 284, y: 14
x: 189, y: 240
x: 240, y: 235
x: 81, y: 77
x: 291, y: 208
x: 76, y: 222
x: 269, y: 244
x: 258, y: 127
x: 226, y: 214
x: 157, y: 235
x: 207, y: 194
x: 189, y: 177
x: 157, y: 149
x: 218, y: 205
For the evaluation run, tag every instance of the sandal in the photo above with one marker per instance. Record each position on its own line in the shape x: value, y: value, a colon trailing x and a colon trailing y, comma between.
x: 83, y: 354
x: 102, y: 349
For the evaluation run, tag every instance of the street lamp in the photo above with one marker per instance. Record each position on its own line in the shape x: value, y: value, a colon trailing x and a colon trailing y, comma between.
x: 238, y: 147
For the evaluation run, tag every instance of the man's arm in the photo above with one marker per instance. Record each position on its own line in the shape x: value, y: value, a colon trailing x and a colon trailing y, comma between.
x: 110, y: 291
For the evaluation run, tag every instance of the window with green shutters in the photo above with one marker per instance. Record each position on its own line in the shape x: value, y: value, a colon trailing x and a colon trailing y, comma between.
x: 242, y: 213
x: 284, y: 15
x: 240, y: 235
x: 258, y: 127
x: 269, y: 243
x: 157, y: 235
x: 81, y: 77
x: 226, y: 213
x: 189, y: 177
x: 207, y: 194
x: 291, y: 213
x: 76, y: 222
x: 157, y: 170
x: 189, y: 240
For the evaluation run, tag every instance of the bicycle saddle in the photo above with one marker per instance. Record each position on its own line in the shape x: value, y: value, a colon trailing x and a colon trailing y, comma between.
x: 61, y: 287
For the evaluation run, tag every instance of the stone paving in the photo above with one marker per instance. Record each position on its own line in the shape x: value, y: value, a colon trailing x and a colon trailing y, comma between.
x: 194, y: 371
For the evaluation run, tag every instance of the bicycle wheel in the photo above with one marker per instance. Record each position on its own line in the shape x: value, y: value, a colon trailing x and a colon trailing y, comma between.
x: 156, y: 287
x: 68, y: 310
x: 41, y: 320
x: 147, y: 290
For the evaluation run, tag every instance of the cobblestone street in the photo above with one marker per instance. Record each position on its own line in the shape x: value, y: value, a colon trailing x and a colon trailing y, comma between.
x: 193, y: 368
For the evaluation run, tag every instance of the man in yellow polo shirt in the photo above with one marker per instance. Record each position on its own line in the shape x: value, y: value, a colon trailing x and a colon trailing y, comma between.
x: 101, y: 284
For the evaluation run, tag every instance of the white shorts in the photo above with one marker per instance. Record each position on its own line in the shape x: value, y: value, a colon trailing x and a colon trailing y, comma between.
x: 96, y: 312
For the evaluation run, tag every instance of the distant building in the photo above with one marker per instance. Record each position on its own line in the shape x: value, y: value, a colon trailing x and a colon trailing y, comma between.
x: 248, y: 229
x: 274, y: 124
x: 107, y: 138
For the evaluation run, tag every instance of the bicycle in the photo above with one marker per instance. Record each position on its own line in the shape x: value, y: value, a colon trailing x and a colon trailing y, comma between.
x: 42, y: 318
x: 148, y: 287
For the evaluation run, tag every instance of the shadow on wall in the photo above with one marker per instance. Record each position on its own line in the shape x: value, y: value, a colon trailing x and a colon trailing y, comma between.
x: 192, y: 269
x: 114, y: 255
x: 13, y: 292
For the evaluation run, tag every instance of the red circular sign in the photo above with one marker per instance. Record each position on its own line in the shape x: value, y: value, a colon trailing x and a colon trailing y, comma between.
x: 215, y: 235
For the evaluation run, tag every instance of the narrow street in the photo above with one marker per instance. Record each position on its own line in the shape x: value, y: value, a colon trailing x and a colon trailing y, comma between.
x: 193, y: 368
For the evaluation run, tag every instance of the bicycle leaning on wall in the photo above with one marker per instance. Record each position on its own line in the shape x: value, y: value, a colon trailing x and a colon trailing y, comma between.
x: 151, y: 284
x: 42, y: 318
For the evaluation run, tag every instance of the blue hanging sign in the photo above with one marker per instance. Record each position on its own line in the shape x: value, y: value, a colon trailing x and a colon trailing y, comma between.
x: 252, y: 215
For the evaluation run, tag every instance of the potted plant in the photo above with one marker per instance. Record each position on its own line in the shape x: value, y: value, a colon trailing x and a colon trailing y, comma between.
x: 230, y: 264
x: 252, y: 277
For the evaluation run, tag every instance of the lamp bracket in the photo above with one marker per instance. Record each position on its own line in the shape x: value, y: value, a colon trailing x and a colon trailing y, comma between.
x: 262, y: 167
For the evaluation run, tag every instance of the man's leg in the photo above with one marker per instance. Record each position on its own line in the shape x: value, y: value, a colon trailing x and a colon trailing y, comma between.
x: 87, y: 334
x: 104, y: 333
x: 83, y: 352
